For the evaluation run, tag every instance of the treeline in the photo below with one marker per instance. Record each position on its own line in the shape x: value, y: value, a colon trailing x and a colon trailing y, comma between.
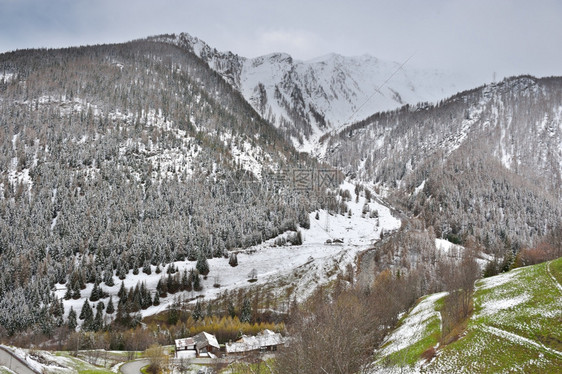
x: 117, y: 324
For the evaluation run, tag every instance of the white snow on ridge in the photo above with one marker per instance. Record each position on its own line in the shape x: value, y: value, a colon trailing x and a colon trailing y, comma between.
x: 327, y: 92
x: 342, y: 89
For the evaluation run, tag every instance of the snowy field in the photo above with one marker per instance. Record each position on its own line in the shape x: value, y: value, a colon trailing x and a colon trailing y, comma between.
x: 302, y: 267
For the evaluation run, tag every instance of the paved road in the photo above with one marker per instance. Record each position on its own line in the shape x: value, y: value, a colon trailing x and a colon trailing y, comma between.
x: 12, y: 362
x: 133, y: 367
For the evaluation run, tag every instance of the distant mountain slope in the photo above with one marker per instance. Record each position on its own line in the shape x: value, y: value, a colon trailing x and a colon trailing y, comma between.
x: 486, y: 162
x: 307, y: 99
x: 515, y: 327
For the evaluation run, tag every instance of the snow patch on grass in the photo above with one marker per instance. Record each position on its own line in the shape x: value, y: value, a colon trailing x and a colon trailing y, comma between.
x: 413, y: 327
x: 493, y: 306
x: 495, y: 281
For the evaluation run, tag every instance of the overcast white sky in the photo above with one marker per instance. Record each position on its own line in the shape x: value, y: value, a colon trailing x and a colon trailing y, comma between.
x: 473, y: 36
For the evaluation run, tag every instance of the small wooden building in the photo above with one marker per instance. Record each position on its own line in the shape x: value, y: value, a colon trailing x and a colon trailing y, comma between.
x: 206, y: 345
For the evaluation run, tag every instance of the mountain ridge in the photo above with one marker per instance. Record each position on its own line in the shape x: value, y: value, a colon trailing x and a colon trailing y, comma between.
x: 307, y: 99
x: 503, y: 134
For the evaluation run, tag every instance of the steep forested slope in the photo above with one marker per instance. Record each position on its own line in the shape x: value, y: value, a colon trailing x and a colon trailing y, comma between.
x: 119, y: 156
x: 486, y: 162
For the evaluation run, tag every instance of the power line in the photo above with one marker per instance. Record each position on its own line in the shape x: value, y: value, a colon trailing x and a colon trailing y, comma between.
x: 378, y: 89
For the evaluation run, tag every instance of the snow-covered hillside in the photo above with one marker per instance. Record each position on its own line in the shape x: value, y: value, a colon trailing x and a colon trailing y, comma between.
x: 303, y: 267
x: 307, y: 99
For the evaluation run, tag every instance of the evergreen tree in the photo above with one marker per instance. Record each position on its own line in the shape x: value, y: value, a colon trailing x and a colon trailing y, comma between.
x: 95, y: 295
x: 68, y: 293
x: 46, y: 322
x: 185, y: 281
x: 76, y: 290
x: 190, y: 280
x: 97, y: 322
x: 122, y: 291
x: 146, y: 268
x: 135, y: 299
x: 197, y: 312
x: 246, y: 311
x: 72, y: 323
x: 86, y: 310
x: 156, y: 300
x: 146, y: 299
x: 108, y: 277
x: 162, y: 288
x: 121, y: 272
x: 197, y: 281
x: 233, y: 260
x: 88, y: 315
x: 202, y: 265
x: 110, y: 307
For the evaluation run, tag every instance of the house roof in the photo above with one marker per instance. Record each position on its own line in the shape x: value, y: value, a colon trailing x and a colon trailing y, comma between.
x: 265, y: 338
x: 184, y: 343
x: 204, y: 339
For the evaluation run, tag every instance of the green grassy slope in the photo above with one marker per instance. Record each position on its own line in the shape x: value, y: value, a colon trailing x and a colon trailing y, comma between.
x: 516, y: 327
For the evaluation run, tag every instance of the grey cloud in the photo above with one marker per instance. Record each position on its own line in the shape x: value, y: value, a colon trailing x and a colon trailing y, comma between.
x: 508, y: 37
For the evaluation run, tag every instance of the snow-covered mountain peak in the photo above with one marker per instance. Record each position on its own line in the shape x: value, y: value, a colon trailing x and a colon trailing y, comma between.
x: 307, y: 99
x: 277, y: 57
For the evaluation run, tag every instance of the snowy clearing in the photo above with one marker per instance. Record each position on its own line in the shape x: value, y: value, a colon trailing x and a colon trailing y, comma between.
x: 302, y: 267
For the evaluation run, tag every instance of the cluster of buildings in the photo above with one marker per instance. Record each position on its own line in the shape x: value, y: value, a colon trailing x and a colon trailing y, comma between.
x: 206, y: 345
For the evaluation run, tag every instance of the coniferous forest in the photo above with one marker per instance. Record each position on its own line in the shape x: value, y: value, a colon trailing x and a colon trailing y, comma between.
x: 118, y: 157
